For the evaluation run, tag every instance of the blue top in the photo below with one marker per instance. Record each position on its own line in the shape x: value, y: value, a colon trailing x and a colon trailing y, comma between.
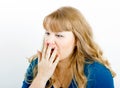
x: 98, y: 76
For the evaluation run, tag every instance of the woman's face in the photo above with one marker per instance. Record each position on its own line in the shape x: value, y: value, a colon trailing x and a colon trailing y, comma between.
x: 64, y: 41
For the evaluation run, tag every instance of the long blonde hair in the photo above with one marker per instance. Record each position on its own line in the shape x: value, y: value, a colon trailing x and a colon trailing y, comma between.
x: 70, y: 19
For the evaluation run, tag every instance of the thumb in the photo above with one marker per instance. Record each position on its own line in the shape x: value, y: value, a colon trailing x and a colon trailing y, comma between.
x: 39, y: 55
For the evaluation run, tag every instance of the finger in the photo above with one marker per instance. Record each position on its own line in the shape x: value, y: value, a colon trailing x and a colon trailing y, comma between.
x: 53, y: 56
x: 56, y: 61
x: 39, y: 55
x: 48, y: 52
x: 44, y: 50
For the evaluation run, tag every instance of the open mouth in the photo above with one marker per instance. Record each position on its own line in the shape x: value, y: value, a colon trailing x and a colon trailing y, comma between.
x: 52, y: 51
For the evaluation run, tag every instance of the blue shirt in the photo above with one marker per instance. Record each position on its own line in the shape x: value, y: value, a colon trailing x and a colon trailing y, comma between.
x: 98, y: 76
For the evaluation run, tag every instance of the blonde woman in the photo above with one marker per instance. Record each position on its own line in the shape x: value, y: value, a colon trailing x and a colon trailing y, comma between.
x: 70, y: 58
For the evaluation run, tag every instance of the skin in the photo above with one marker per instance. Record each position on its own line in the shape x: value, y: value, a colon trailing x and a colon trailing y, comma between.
x: 63, y: 44
x: 63, y: 41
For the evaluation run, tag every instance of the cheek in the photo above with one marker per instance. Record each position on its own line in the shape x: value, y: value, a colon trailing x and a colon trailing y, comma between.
x: 66, y: 48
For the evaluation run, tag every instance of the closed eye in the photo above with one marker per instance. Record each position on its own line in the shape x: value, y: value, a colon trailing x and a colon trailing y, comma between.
x: 58, y: 35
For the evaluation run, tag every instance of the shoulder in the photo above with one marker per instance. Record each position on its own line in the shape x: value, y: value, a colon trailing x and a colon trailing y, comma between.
x: 32, y: 65
x: 98, y: 75
x: 29, y: 71
x: 34, y: 62
x: 96, y: 68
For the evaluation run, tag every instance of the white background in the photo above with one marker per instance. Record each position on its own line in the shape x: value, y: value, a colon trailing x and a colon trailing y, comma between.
x: 21, y: 33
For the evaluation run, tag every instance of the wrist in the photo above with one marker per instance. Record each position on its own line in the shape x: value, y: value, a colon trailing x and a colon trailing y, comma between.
x: 38, y: 82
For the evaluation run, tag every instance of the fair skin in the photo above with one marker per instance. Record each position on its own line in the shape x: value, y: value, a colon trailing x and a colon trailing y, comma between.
x: 58, y: 46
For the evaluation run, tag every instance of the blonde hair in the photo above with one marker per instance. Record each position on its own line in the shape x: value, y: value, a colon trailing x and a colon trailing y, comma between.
x: 70, y: 19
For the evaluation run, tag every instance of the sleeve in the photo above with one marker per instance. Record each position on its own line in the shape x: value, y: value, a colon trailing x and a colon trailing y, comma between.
x: 99, y: 76
x: 29, y: 74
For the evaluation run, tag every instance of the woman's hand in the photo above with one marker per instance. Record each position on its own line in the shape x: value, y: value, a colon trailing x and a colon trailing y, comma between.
x: 47, y: 62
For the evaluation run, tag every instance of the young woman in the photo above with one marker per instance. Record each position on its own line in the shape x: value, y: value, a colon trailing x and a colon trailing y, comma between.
x: 70, y: 58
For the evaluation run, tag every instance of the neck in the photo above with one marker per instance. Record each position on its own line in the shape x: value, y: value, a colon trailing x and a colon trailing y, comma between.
x: 63, y: 74
x: 63, y: 64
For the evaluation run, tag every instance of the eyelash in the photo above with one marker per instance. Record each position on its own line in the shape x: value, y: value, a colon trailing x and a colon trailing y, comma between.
x: 57, y: 35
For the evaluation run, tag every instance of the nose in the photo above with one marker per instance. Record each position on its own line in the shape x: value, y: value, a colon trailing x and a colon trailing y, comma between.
x: 50, y: 40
